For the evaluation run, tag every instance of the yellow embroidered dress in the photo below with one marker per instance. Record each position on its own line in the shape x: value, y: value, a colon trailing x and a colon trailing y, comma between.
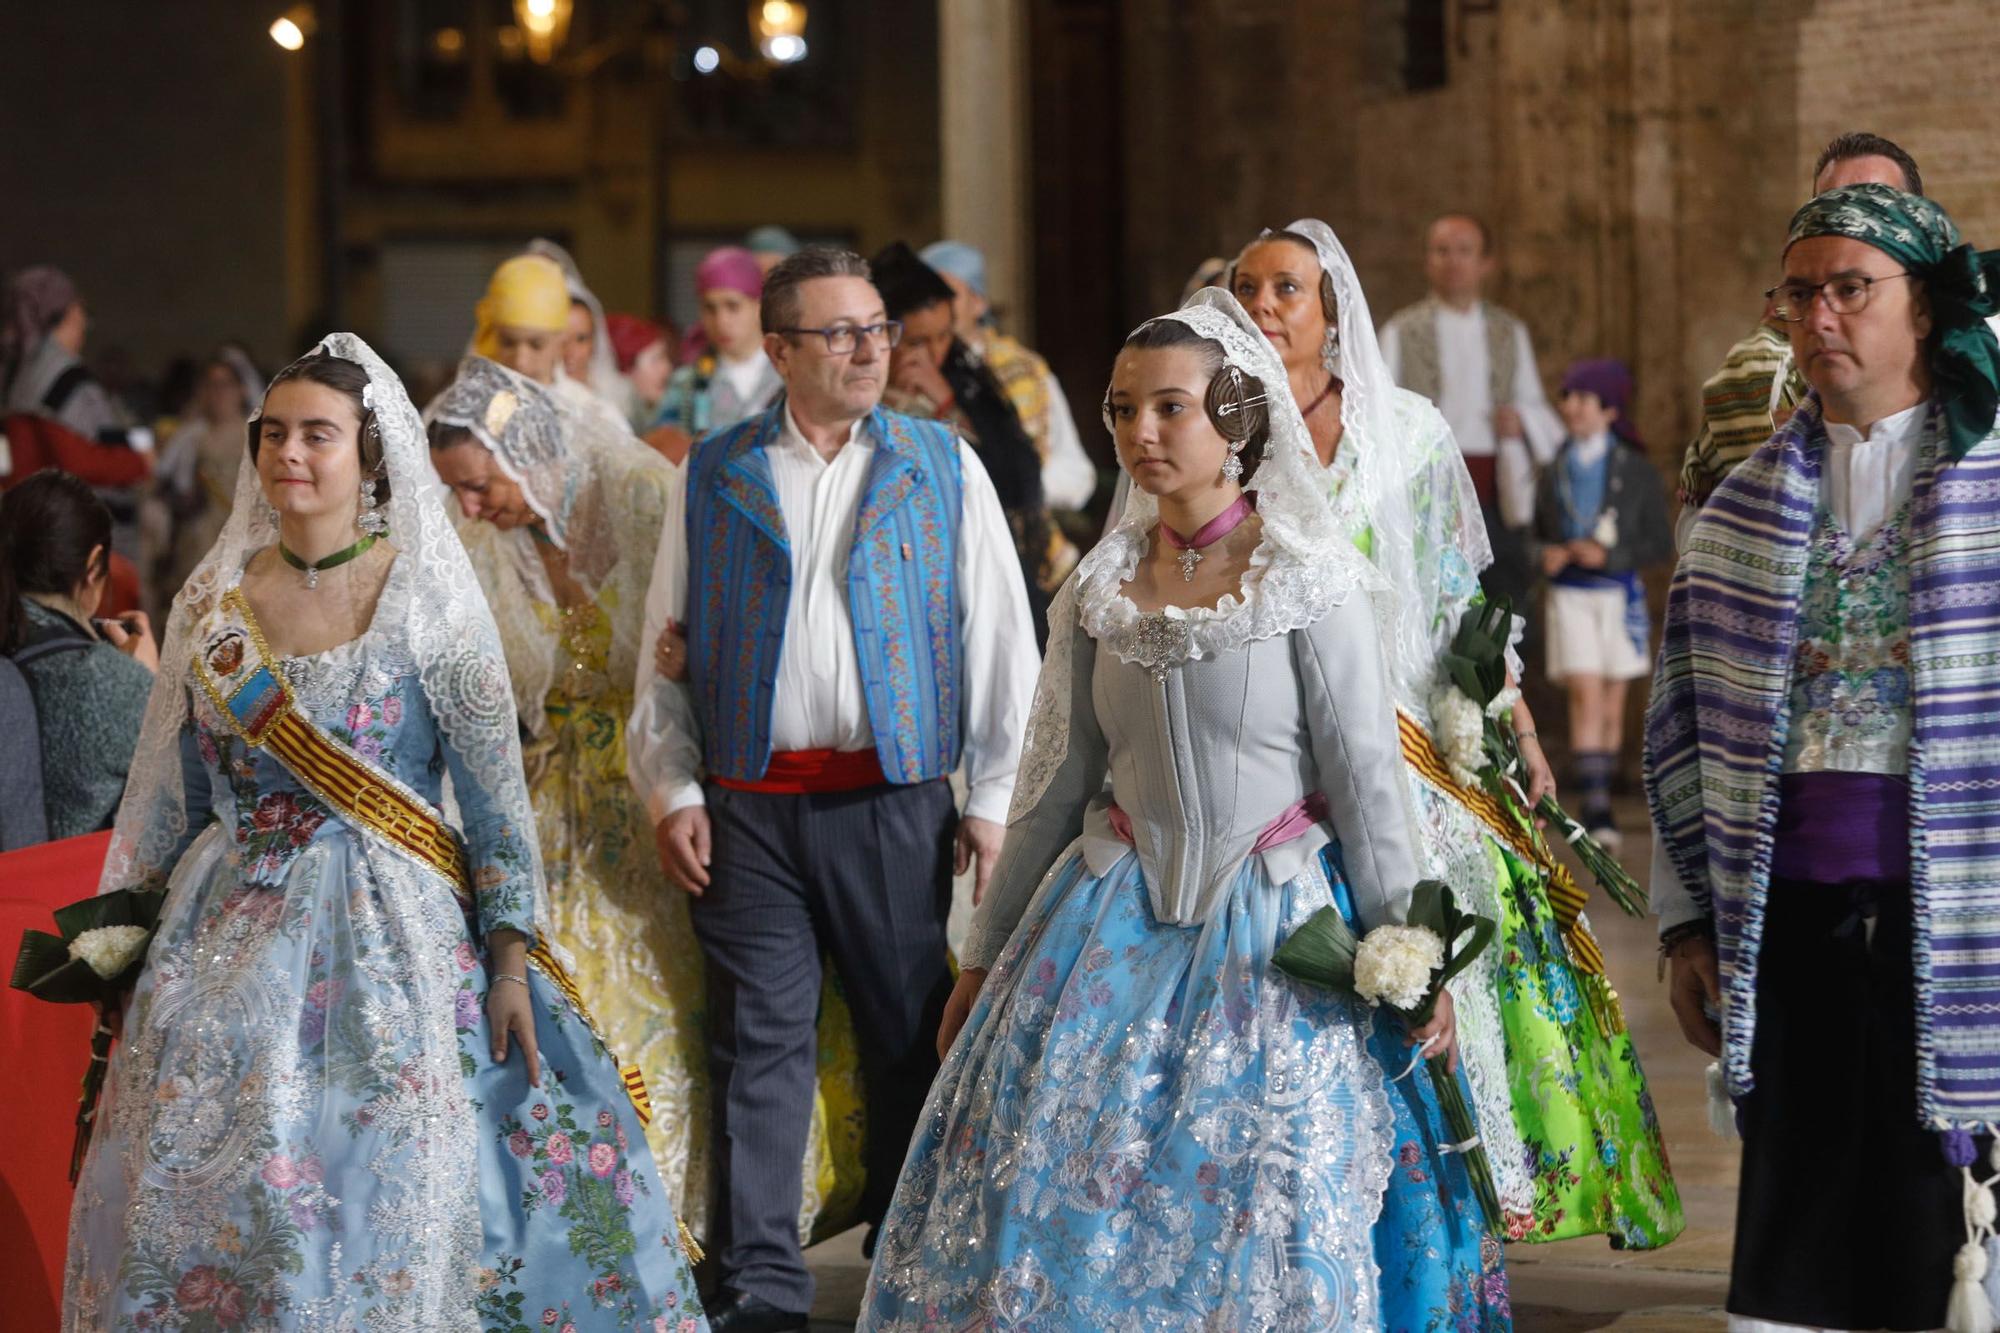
x: 569, y: 598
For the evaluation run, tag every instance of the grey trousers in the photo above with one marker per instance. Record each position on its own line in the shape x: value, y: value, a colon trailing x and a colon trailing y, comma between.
x: 865, y: 877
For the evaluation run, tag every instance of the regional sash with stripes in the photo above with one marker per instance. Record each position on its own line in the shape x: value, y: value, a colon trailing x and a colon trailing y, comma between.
x: 1566, y: 897
x: 238, y: 671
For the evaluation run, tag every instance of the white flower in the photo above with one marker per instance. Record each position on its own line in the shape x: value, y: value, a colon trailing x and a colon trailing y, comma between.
x: 1394, y: 965
x: 1503, y: 702
x: 110, y: 949
x: 1460, y: 733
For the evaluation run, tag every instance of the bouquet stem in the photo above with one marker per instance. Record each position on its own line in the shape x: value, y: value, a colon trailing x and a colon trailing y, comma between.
x: 1611, y: 876
x: 1464, y: 1129
x: 93, y: 1087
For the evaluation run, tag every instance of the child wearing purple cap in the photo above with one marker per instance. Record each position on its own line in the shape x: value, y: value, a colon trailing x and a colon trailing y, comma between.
x: 1600, y: 519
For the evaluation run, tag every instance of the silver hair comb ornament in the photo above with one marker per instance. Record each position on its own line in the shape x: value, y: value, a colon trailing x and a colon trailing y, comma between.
x: 1230, y: 409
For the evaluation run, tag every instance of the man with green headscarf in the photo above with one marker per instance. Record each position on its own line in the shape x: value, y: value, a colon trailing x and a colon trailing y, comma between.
x: 1823, y: 766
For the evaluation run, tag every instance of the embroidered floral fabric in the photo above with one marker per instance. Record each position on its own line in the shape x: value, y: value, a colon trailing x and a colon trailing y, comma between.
x: 1851, y: 701
x: 1594, y: 1145
x: 304, y: 1125
x: 1107, y: 1146
x: 307, y: 1084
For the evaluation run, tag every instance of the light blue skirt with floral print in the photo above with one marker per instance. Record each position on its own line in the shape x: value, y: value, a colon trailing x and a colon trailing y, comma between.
x: 305, y: 1128
x: 1146, y: 1127
x: 1440, y: 1270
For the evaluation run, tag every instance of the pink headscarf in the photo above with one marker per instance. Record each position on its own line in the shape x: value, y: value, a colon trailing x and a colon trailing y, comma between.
x: 732, y: 268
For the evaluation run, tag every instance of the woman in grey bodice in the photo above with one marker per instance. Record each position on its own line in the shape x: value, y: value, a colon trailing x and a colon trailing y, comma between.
x: 1139, y: 1123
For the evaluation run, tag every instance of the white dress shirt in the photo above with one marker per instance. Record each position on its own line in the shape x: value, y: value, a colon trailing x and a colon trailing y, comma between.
x: 1869, y: 473
x: 819, y: 703
x: 1465, y: 397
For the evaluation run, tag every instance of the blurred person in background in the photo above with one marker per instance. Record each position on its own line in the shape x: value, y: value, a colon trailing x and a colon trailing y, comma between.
x: 42, y: 333
x: 643, y: 351
x: 769, y: 245
x: 933, y: 374
x: 1069, y: 478
x: 725, y: 376
x: 196, y: 482
x: 89, y: 677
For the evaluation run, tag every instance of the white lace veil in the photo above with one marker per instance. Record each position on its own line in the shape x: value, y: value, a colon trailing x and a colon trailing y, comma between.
x: 1304, y: 564
x: 1398, y: 484
x: 431, y: 614
x: 601, y: 498
x: 603, y: 379
x: 1291, y: 494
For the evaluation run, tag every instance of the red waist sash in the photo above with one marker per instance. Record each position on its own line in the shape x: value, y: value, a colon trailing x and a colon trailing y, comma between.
x: 803, y: 772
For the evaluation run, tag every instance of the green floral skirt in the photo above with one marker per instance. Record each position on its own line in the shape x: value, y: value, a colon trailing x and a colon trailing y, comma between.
x: 1581, y: 1102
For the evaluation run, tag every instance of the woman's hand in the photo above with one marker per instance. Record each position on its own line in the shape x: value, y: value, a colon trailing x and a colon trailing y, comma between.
x: 1555, y: 559
x: 509, y: 1012
x: 670, y: 657
x: 959, y: 1007
x: 1541, y: 778
x: 1441, y: 1032
x: 132, y: 635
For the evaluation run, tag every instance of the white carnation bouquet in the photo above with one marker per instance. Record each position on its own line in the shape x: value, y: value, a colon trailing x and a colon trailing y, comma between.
x: 95, y: 958
x: 1405, y: 967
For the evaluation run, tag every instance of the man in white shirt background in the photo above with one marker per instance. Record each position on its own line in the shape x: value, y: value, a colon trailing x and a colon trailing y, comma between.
x: 855, y: 626
x: 1476, y: 362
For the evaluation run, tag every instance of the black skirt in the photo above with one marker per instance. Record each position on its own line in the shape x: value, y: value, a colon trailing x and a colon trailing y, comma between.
x: 1848, y: 1215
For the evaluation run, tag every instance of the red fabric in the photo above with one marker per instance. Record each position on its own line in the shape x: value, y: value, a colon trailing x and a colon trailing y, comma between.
x: 799, y: 772
x: 1483, y: 468
x: 631, y: 335
x: 38, y: 442
x: 47, y: 1047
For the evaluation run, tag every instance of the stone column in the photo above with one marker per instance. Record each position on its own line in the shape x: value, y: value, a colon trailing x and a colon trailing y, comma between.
x: 983, y: 138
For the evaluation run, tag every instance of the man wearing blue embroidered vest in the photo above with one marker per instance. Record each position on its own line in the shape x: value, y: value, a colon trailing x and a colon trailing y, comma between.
x: 1824, y: 774
x: 855, y: 622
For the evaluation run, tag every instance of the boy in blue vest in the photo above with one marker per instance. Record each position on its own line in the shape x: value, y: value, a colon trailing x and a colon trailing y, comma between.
x: 856, y: 626
x: 1600, y: 521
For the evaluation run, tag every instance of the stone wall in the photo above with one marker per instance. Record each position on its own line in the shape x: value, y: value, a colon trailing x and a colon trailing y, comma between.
x: 1636, y: 159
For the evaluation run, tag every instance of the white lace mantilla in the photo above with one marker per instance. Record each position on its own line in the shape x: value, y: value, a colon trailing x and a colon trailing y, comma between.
x: 431, y: 618
x: 1301, y: 568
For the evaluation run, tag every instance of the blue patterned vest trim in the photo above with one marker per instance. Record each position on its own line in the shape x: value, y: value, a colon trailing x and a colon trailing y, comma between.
x: 902, y: 594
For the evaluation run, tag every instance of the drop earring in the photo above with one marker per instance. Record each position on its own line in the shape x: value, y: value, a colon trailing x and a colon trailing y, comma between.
x: 373, y: 523
x: 1232, y: 462
x: 1329, y: 350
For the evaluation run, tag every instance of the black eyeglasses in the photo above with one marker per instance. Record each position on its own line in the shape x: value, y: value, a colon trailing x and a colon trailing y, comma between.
x: 844, y: 338
x: 1845, y: 295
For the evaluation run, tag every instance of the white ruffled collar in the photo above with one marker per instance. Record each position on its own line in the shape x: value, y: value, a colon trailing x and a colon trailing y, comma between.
x: 1275, y: 597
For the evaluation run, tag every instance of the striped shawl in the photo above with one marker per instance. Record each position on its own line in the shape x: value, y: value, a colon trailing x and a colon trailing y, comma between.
x: 1715, y: 735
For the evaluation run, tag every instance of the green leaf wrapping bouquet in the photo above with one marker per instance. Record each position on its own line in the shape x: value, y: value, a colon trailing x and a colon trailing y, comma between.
x: 94, y: 958
x: 1405, y: 967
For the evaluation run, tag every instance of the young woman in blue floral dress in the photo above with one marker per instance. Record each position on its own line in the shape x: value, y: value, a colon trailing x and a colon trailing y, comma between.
x: 353, y: 1091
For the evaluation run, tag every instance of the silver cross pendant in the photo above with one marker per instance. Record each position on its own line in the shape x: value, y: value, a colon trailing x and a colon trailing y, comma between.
x: 1189, y: 558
